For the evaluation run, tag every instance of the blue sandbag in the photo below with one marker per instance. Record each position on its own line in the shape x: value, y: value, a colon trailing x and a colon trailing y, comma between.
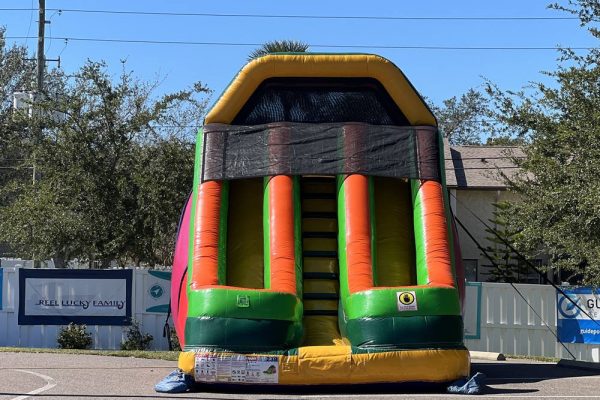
x: 175, y: 382
x: 475, y: 385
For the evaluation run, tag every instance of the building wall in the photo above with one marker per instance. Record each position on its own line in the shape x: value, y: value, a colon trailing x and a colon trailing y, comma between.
x: 468, y: 204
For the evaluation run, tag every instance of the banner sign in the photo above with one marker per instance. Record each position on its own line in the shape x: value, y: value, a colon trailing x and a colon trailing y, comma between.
x: 573, y: 325
x: 1, y: 284
x: 157, y: 288
x: 61, y: 296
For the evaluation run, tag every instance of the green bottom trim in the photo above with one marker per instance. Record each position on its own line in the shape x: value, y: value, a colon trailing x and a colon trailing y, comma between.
x: 383, y: 302
x: 432, y: 331
x: 246, y: 335
x: 244, y: 304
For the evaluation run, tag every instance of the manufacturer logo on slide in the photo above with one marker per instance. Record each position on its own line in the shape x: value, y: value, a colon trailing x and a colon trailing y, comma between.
x: 407, y: 301
x: 406, y: 298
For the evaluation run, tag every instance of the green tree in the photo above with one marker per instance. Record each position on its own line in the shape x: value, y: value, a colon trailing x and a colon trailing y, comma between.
x: 163, y: 176
x: 510, y: 268
x: 505, y: 140
x: 91, y: 200
x: 464, y: 120
x: 559, y: 180
x: 16, y: 75
x: 279, y: 46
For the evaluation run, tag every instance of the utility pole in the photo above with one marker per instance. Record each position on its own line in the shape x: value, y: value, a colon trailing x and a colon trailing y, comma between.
x: 41, y: 61
x: 41, y: 65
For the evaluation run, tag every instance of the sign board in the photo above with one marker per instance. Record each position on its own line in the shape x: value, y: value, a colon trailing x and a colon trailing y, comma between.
x: 472, y: 310
x: 61, y: 296
x: 1, y: 285
x: 573, y: 325
x: 157, y: 292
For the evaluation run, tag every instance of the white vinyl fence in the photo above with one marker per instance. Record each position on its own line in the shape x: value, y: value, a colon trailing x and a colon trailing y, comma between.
x: 496, y: 318
x: 508, y: 325
x: 150, y: 299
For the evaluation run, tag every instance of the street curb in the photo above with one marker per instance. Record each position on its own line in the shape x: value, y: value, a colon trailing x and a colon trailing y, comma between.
x: 589, y: 365
x: 486, y: 355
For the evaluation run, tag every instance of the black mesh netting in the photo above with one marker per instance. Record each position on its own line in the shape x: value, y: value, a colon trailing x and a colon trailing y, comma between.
x: 236, y: 151
x: 318, y: 100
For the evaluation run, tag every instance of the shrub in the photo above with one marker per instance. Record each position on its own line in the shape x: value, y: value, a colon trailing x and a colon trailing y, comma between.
x: 74, y: 336
x: 136, y: 340
x: 175, y: 345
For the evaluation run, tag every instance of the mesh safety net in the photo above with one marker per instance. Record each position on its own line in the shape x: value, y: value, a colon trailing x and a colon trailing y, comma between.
x: 320, y: 100
x: 244, y: 151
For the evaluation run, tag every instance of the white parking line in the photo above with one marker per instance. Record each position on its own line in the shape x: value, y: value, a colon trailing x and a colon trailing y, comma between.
x: 454, y: 396
x: 50, y: 383
x: 541, y: 378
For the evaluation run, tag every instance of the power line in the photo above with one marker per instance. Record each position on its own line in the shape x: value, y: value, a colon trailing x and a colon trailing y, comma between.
x: 481, y: 168
x: 19, y: 9
x: 487, y: 158
x: 30, y: 18
x: 299, y: 16
x: 339, y: 46
x: 355, y: 17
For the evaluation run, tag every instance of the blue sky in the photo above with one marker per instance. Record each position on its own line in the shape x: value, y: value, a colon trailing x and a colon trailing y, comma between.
x: 437, y: 74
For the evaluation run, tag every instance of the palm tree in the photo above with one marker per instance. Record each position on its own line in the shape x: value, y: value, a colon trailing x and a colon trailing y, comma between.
x: 279, y: 46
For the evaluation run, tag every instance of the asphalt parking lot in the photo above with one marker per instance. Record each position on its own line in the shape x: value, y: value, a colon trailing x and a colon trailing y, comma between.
x: 66, y: 376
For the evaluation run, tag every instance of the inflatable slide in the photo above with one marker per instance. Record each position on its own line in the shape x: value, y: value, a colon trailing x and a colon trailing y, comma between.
x: 318, y: 245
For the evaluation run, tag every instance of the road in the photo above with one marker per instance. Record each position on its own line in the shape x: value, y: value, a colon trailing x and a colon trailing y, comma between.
x: 66, y: 376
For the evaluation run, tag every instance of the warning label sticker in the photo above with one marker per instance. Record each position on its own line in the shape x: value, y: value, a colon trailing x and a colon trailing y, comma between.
x: 236, y: 368
x: 205, y: 368
x: 407, y: 301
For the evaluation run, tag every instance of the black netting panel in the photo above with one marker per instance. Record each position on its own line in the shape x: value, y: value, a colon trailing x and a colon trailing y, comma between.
x: 318, y: 100
x: 236, y: 151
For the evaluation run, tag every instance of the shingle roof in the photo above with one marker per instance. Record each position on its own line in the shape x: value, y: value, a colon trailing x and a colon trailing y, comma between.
x: 479, y: 166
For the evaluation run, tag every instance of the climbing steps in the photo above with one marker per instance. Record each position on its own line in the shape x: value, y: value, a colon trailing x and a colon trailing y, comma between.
x: 320, y: 260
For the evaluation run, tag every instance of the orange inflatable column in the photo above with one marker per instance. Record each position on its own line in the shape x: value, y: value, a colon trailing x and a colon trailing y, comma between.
x: 358, y: 233
x: 281, y: 234
x: 205, y: 264
x: 281, y: 212
x: 437, y: 250
x: 357, y: 212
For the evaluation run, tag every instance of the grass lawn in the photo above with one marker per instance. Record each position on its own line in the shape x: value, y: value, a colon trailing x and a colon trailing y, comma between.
x: 156, y: 355
x: 535, y: 358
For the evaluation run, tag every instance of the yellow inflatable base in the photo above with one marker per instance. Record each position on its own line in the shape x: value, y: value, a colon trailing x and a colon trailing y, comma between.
x: 327, y: 365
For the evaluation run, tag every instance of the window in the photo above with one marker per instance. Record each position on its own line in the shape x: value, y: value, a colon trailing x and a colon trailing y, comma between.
x: 471, y: 269
x: 529, y: 275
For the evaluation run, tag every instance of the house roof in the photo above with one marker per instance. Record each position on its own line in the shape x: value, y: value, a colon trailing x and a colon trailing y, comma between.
x: 480, y: 166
